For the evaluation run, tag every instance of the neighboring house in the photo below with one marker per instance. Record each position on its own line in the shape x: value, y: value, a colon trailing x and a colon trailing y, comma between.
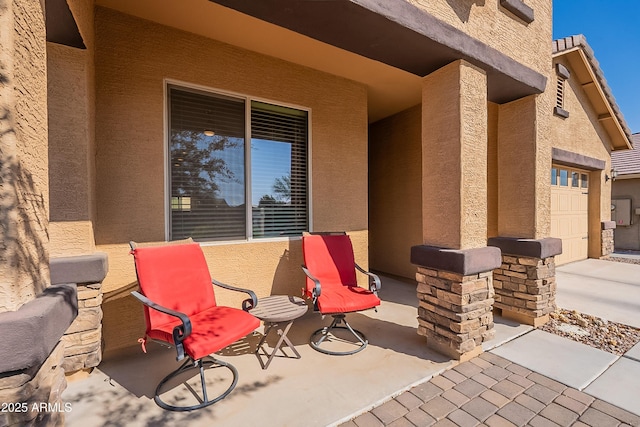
x: 625, y: 196
x: 425, y: 129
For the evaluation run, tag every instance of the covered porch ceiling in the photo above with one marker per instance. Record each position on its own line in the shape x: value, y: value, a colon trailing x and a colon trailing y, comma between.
x: 346, y: 39
x: 390, y: 89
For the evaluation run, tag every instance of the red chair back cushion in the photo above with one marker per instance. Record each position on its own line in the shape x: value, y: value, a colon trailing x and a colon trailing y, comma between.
x: 330, y: 259
x: 176, y: 277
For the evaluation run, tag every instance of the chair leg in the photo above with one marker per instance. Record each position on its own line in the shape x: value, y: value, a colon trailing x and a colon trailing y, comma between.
x: 319, y: 336
x: 201, y: 365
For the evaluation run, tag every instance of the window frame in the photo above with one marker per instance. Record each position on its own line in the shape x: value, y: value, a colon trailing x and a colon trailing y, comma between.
x: 167, y: 83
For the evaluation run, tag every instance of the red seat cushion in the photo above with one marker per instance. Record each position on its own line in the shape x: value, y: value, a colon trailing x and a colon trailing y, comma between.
x: 330, y: 259
x: 177, y: 277
x: 212, y: 330
x: 345, y: 299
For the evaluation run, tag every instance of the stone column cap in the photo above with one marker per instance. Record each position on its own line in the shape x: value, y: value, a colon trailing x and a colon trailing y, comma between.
x: 30, y: 333
x: 608, y: 225
x: 532, y: 248
x: 90, y: 268
x: 460, y: 261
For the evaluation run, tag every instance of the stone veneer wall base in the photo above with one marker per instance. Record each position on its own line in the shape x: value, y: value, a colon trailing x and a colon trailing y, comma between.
x: 83, y: 339
x: 525, y: 283
x: 521, y: 317
x: 607, y: 238
x: 33, y: 387
x: 455, y: 294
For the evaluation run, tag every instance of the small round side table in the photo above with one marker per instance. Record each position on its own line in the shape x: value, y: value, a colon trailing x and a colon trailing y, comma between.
x: 277, y: 311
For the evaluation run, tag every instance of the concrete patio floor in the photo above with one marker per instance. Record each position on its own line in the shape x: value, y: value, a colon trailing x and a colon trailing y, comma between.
x: 381, y: 385
x: 316, y: 390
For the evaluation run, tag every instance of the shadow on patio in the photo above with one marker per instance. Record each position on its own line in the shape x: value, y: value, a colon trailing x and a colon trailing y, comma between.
x: 316, y: 390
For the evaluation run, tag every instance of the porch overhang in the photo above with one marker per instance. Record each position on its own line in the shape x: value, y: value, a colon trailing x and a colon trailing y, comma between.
x: 398, y: 34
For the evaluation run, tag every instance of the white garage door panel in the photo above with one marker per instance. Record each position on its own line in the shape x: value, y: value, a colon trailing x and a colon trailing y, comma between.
x: 569, y: 219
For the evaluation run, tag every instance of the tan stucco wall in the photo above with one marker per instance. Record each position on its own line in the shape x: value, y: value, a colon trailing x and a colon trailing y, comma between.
x: 628, y: 237
x: 454, y: 157
x: 492, y: 169
x: 395, y: 191
x: 524, y: 162
x: 71, y: 103
x: 581, y: 133
x: 24, y: 193
x: 516, y: 168
x: 133, y: 57
x: 493, y: 25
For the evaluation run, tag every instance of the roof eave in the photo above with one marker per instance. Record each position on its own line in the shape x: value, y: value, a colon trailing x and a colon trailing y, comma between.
x: 581, y: 56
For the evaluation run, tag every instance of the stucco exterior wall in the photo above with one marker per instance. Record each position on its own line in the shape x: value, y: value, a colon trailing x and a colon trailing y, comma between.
x: 71, y: 104
x: 492, y: 169
x: 395, y: 189
x: 24, y: 193
x: 628, y: 237
x: 493, y: 25
x: 581, y: 133
x: 454, y: 157
x: 133, y: 57
x: 524, y: 162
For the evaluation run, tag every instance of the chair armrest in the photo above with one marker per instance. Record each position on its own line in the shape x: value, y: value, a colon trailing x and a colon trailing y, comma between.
x: 374, y: 281
x: 317, y: 289
x: 247, y: 304
x: 180, y: 332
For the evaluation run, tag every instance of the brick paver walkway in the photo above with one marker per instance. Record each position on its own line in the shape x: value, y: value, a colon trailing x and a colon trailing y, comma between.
x: 491, y: 391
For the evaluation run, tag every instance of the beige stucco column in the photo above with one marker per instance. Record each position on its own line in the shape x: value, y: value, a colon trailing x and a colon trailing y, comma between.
x: 24, y: 186
x: 71, y: 105
x: 454, y: 276
x: 525, y: 282
x: 524, y: 162
x: 454, y: 157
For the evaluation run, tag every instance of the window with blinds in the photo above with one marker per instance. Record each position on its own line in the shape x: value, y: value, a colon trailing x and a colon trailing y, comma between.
x: 210, y: 164
x: 278, y: 170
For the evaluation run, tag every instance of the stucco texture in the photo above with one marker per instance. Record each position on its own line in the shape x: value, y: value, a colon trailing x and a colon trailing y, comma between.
x: 71, y: 105
x: 487, y: 21
x: 24, y: 186
x: 395, y: 195
x: 581, y: 133
x: 454, y: 157
x: 133, y: 59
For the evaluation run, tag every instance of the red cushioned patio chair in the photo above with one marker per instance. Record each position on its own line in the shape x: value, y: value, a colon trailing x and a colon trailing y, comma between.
x: 180, y: 309
x: 332, y: 285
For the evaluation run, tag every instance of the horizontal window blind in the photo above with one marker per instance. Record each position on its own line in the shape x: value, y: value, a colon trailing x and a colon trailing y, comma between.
x: 207, y: 166
x: 279, y: 168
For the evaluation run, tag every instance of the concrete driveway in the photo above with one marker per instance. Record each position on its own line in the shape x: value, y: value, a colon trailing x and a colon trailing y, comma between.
x: 606, y: 289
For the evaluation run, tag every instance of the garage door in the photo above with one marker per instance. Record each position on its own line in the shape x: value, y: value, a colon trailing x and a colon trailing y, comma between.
x: 570, y: 212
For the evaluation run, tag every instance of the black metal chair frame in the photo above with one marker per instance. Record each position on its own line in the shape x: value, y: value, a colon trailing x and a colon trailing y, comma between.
x: 180, y: 333
x: 338, y: 318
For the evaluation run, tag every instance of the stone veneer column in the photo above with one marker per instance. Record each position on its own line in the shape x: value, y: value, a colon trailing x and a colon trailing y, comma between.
x: 83, y: 339
x: 31, y: 357
x: 525, y: 283
x: 454, y: 265
x: 456, y: 296
x: 607, y: 238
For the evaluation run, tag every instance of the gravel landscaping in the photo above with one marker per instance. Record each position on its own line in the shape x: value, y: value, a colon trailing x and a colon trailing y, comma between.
x: 596, y: 332
x: 591, y: 330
